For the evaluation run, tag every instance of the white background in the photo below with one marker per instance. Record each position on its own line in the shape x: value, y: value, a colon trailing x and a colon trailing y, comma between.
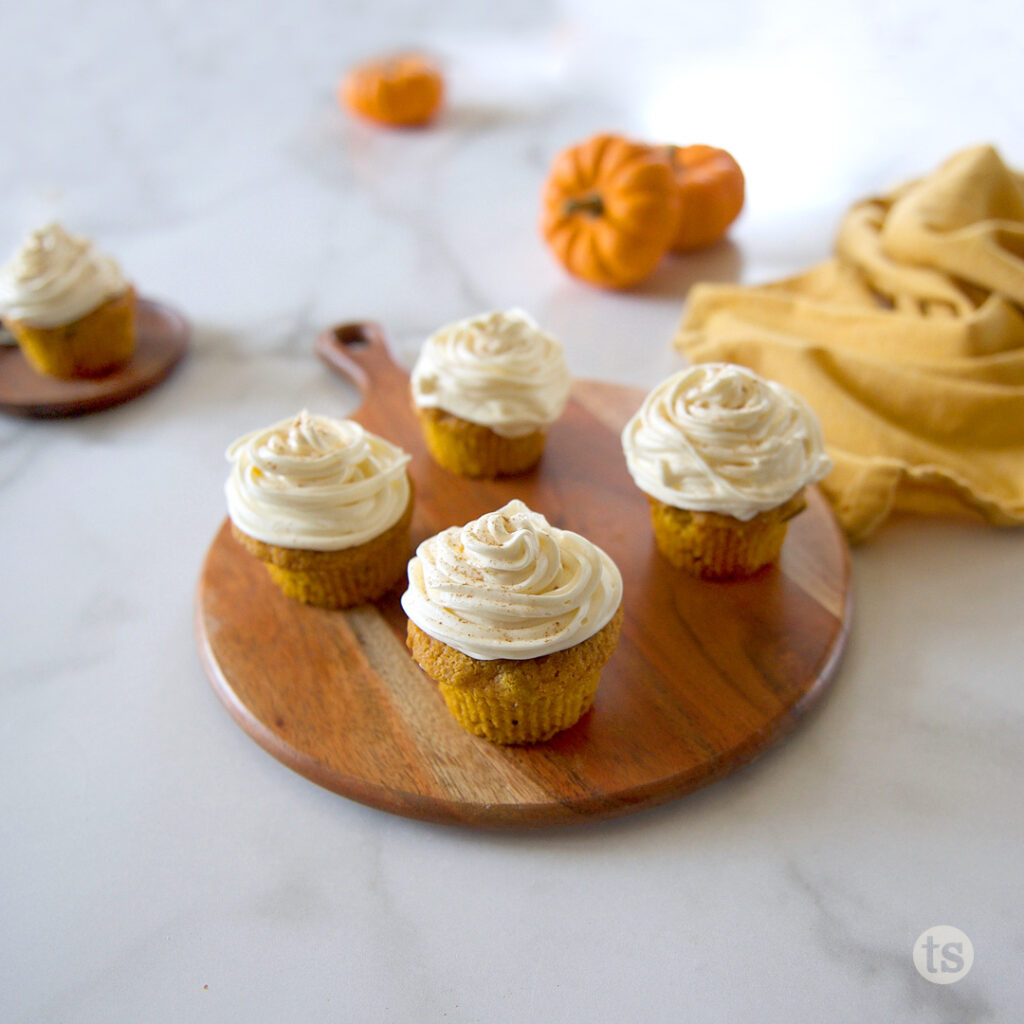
x: 156, y: 865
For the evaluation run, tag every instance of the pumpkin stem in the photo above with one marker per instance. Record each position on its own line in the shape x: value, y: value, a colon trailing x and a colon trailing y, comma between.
x: 592, y: 204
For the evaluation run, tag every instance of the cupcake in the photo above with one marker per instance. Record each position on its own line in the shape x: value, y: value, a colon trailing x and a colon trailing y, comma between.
x: 514, y: 619
x: 486, y: 390
x: 723, y: 457
x: 325, y: 504
x: 68, y: 306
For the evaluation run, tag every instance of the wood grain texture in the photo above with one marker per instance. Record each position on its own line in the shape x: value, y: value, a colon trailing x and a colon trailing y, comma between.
x: 705, y: 677
x: 163, y: 335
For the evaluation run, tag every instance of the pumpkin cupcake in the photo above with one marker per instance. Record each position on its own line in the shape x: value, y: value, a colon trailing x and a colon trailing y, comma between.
x: 68, y: 306
x: 486, y: 390
x: 514, y: 619
x: 325, y: 504
x: 723, y: 457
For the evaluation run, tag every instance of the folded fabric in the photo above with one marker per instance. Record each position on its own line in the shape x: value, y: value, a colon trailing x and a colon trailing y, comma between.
x: 908, y: 343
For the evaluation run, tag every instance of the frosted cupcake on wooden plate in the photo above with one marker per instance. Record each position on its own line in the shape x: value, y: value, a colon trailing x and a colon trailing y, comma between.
x: 514, y: 619
x: 723, y: 457
x: 486, y: 390
x: 325, y: 504
x: 69, y: 307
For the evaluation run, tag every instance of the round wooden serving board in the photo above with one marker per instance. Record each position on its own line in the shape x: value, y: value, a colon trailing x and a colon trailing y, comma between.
x: 162, y: 341
x: 705, y: 677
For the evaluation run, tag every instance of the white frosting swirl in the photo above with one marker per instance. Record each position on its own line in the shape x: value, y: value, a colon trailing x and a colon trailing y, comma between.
x: 497, y: 369
x: 510, y: 585
x: 317, y: 483
x: 56, y: 278
x: 719, y: 438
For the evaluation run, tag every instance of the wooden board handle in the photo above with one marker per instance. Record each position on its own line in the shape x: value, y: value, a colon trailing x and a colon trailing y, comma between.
x: 359, y: 352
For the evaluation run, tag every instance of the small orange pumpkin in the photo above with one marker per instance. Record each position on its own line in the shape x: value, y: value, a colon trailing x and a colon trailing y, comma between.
x: 610, y: 208
x: 711, y: 189
x: 403, y: 90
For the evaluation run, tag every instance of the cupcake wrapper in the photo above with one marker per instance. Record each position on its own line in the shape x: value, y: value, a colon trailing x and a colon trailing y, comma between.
x: 473, y: 450
x: 93, y: 345
x: 508, y: 701
x: 713, y: 546
x: 484, y: 712
x: 337, y: 579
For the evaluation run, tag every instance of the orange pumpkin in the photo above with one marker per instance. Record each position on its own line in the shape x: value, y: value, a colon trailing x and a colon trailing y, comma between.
x: 403, y: 90
x: 610, y: 208
x: 711, y: 189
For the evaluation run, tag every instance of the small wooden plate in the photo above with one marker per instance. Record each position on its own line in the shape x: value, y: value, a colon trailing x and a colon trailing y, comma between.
x: 705, y: 677
x: 162, y: 340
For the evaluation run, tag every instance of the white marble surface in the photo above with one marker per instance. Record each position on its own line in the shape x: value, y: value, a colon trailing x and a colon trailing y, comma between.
x: 157, y: 865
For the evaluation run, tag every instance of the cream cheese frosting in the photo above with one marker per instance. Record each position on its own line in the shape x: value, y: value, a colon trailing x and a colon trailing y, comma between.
x: 719, y: 438
x: 316, y: 483
x: 511, y: 585
x: 498, y: 369
x: 56, y: 277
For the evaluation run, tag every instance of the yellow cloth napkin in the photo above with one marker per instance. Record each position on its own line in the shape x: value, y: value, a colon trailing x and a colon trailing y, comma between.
x: 908, y: 343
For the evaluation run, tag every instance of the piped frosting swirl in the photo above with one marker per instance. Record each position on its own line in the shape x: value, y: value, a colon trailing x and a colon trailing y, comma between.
x: 316, y: 483
x: 499, y: 370
x: 511, y: 585
x: 719, y: 438
x: 57, y: 277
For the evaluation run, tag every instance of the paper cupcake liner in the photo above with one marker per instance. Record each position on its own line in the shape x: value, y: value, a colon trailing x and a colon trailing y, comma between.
x: 485, y: 713
x: 473, y: 450
x: 509, y: 701
x: 93, y: 345
x: 337, y: 579
x: 714, y: 546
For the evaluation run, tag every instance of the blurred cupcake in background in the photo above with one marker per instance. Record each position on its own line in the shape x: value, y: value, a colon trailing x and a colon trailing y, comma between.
x: 68, y: 305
